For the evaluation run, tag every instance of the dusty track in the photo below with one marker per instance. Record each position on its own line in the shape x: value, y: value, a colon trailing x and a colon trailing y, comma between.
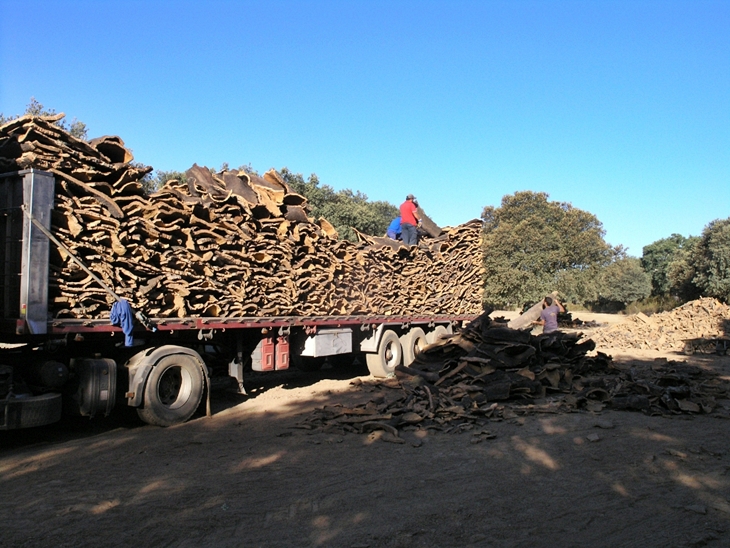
x: 247, y: 477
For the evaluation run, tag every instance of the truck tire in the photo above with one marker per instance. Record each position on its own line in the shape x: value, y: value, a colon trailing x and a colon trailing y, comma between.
x: 412, y: 342
x: 31, y: 411
x: 390, y: 353
x: 173, y: 391
x: 436, y: 334
x: 97, y: 386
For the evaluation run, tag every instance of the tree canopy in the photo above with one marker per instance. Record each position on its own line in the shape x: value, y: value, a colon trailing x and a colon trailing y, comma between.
x: 154, y: 181
x: 533, y: 246
x: 624, y: 281
x: 687, y: 268
x: 345, y: 209
x: 711, y: 260
x: 657, y: 258
x: 34, y: 108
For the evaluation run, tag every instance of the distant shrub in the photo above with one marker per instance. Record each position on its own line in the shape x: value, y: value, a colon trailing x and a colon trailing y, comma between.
x: 653, y: 305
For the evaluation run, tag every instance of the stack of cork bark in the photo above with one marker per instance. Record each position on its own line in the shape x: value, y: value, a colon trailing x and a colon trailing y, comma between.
x: 680, y: 329
x: 222, y: 244
x: 489, y: 371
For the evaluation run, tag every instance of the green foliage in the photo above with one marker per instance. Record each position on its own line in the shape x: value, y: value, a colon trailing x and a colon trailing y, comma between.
x: 687, y: 268
x: 711, y: 260
x: 34, y: 108
x: 248, y: 169
x: 656, y: 260
x: 580, y: 285
x: 681, y: 273
x: 652, y: 305
x: 624, y: 281
x: 152, y: 182
x: 533, y: 246
x: 345, y: 209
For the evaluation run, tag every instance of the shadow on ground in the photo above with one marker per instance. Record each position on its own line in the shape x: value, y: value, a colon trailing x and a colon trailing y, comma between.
x: 249, y: 477
x: 224, y: 396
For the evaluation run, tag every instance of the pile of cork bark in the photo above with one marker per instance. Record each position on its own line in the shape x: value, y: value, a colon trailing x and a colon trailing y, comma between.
x: 222, y: 244
x: 491, y: 372
x: 696, y: 326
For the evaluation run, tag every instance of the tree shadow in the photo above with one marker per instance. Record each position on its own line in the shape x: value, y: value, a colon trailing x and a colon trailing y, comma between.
x: 224, y: 395
x: 249, y: 476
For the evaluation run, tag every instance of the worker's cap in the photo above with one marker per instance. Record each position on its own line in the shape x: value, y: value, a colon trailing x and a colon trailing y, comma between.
x: 410, y: 197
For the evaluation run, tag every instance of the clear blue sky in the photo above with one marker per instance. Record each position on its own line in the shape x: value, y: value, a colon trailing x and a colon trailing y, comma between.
x: 621, y: 108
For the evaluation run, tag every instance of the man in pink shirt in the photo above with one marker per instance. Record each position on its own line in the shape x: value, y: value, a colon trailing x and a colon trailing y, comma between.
x: 549, y: 315
x: 409, y: 220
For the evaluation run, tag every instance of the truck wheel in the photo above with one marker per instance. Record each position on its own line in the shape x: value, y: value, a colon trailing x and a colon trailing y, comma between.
x: 97, y: 386
x: 30, y: 411
x: 389, y: 355
x: 173, y: 391
x: 436, y: 334
x: 412, y: 342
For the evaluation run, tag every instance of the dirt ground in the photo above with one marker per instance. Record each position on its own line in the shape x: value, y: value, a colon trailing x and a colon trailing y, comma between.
x: 248, y: 477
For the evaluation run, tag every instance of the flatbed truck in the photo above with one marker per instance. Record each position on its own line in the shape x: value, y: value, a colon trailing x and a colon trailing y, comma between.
x: 49, y: 366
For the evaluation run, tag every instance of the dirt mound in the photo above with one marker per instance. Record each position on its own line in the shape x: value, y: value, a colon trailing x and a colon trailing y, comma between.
x: 683, y: 329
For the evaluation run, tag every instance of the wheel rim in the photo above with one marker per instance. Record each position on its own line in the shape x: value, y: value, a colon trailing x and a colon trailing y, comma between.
x: 174, y: 387
x: 390, y: 355
x: 417, y: 346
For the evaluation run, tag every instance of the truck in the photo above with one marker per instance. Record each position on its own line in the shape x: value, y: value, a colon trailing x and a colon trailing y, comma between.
x: 51, y: 366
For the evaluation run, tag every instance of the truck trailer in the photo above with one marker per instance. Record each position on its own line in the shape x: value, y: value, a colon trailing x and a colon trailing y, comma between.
x: 164, y: 368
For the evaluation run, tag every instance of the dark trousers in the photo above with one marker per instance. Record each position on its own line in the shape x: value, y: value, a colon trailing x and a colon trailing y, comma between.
x: 409, y: 234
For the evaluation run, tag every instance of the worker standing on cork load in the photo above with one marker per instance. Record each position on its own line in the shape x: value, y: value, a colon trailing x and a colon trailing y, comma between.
x: 549, y: 315
x: 409, y: 220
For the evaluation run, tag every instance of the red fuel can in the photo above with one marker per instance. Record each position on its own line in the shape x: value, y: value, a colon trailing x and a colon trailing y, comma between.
x: 263, y: 356
x: 282, y: 352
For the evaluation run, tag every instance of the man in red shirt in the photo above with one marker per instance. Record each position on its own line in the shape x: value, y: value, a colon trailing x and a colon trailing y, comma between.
x: 409, y: 220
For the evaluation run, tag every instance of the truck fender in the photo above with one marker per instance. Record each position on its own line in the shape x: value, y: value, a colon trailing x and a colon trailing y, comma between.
x: 141, y: 364
x: 371, y: 343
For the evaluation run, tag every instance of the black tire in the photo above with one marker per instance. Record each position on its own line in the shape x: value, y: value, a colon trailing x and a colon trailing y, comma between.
x: 173, y: 391
x: 412, y: 342
x: 31, y: 411
x: 389, y: 355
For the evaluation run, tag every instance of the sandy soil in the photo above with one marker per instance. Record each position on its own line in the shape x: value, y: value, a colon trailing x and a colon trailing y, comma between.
x: 248, y: 477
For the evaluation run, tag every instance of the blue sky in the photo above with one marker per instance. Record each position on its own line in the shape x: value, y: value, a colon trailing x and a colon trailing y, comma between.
x: 621, y: 108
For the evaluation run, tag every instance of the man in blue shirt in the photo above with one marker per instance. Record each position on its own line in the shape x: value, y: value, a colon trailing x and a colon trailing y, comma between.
x: 394, y: 229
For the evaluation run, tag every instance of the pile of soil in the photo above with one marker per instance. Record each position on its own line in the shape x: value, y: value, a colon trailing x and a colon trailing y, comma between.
x: 703, y: 319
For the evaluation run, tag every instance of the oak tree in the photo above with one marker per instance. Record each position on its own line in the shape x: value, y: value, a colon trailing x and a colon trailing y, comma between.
x: 345, y: 209
x: 34, y: 108
x: 657, y: 258
x: 711, y: 260
x: 533, y: 246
